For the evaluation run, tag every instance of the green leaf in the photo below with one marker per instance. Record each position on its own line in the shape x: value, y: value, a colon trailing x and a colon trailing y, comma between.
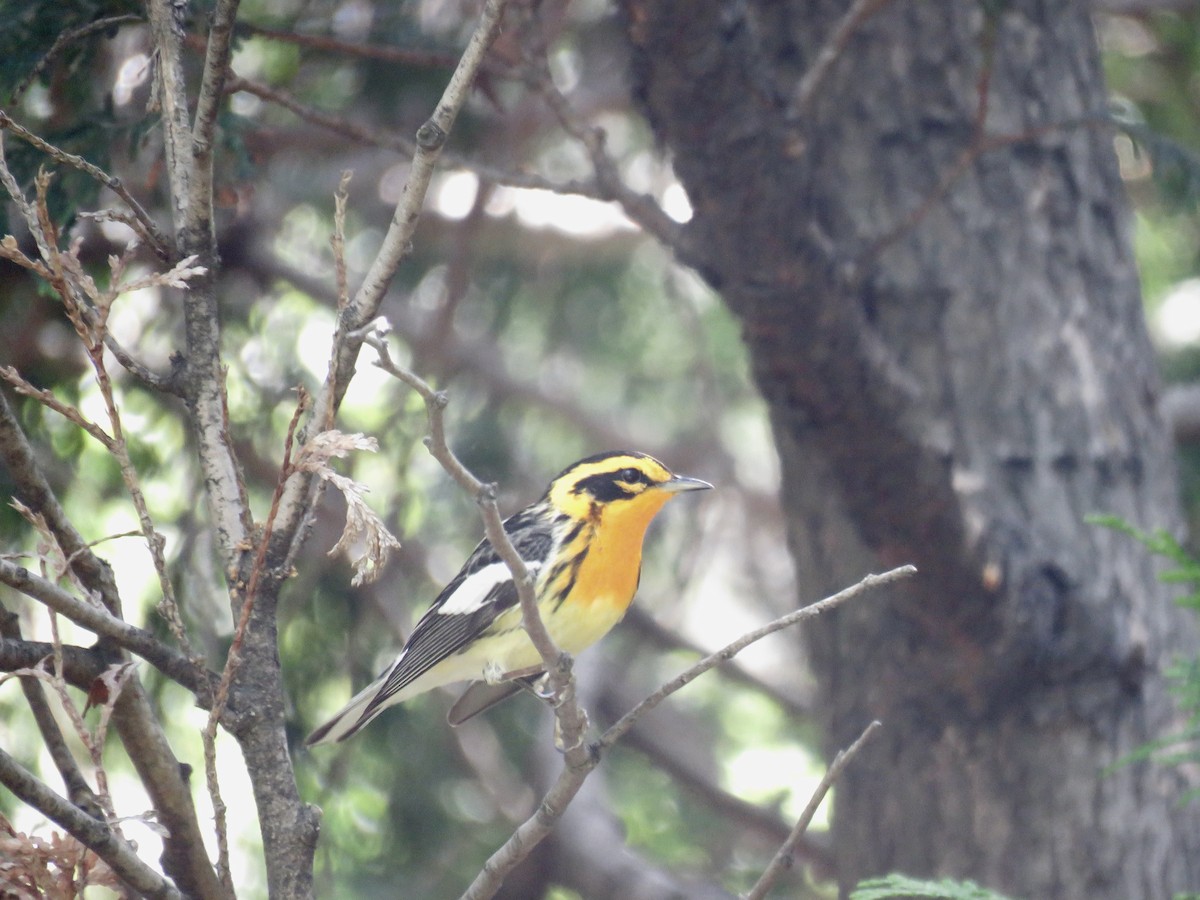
x: 902, y: 886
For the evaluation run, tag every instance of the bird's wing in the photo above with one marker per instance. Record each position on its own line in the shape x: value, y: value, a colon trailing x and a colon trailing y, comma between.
x: 469, y: 604
x: 461, y: 613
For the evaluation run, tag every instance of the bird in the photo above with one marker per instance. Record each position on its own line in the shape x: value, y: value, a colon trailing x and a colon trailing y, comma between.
x: 582, y: 545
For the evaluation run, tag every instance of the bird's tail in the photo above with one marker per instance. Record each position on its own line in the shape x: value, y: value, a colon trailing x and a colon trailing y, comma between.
x: 353, y: 716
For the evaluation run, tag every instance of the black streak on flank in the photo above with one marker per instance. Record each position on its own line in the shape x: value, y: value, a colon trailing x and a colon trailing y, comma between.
x: 575, y: 563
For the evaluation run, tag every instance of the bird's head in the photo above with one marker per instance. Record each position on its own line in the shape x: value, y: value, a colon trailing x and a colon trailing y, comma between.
x: 618, y: 484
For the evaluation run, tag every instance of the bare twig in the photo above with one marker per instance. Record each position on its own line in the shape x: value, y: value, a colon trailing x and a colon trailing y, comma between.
x: 641, y: 208
x: 783, y: 859
x: 397, y: 242
x: 47, y: 399
x: 399, y: 143
x: 138, y: 369
x: 426, y: 59
x: 670, y: 639
x: 67, y: 37
x: 145, y: 226
x: 10, y: 251
x: 870, y: 582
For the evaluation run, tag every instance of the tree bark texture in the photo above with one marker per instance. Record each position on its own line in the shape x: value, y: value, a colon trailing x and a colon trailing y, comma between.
x: 926, y: 242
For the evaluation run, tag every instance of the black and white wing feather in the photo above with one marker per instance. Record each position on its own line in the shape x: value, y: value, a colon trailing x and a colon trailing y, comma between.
x: 463, y: 612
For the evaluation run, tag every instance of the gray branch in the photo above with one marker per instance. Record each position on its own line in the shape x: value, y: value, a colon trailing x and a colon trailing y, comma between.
x: 92, y: 833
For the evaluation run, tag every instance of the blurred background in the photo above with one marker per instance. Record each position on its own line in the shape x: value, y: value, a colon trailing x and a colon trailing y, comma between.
x: 559, y: 329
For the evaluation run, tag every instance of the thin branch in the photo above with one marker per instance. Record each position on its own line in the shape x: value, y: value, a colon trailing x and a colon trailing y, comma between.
x: 425, y: 59
x: 532, y: 831
x: 575, y: 770
x: 870, y: 582
x: 353, y: 131
x: 138, y: 369
x: 48, y: 400
x: 674, y: 740
x: 783, y: 859
x: 670, y: 639
x: 641, y: 208
x: 208, y: 103
x: 829, y: 53
x: 78, y: 790
x: 92, y: 833
x: 96, y: 619
x: 67, y: 37
x: 142, y: 223
x: 399, y: 143
x: 10, y: 251
x: 397, y: 242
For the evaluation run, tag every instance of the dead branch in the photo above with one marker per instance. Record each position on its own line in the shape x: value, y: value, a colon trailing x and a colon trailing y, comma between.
x: 870, y: 582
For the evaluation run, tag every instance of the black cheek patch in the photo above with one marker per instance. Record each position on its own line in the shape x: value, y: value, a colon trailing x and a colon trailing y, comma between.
x: 604, y: 488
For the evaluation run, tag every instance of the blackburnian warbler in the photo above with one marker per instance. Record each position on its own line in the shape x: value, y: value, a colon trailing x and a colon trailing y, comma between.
x: 582, y: 543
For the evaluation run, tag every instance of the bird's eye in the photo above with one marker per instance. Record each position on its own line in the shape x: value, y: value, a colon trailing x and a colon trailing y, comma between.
x: 630, y: 476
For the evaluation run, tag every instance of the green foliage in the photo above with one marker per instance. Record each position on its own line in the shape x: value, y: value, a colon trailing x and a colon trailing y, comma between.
x: 1184, y: 674
x: 1161, y: 543
x: 31, y: 29
x: 902, y: 887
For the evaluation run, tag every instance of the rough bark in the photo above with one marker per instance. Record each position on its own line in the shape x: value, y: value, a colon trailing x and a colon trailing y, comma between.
x: 927, y: 245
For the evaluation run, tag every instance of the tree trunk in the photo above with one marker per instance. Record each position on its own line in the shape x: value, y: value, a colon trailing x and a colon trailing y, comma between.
x: 919, y: 221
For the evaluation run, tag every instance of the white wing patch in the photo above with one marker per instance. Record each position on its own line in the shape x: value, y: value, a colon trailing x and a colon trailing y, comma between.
x: 477, y: 587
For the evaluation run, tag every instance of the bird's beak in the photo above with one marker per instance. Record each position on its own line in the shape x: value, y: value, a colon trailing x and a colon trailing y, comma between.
x: 680, y: 483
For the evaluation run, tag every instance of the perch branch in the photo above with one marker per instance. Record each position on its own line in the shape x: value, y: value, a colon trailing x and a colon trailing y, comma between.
x: 533, y: 830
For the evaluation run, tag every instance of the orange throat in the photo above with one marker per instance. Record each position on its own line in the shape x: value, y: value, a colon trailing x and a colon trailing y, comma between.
x: 609, y: 574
